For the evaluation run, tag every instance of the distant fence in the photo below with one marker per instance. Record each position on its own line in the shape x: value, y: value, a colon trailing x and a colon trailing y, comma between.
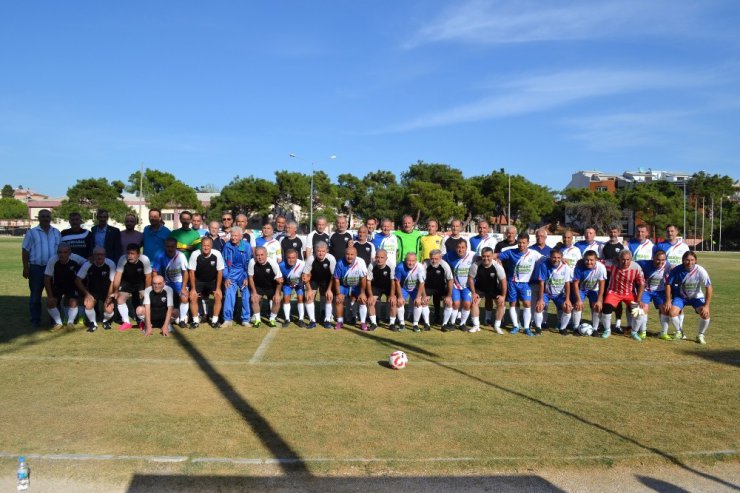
x: 14, y: 227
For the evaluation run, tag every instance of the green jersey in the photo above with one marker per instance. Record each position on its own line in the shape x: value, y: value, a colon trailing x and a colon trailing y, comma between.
x: 188, y: 240
x: 407, y: 243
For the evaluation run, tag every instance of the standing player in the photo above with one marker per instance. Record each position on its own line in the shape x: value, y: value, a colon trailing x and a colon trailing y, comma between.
x: 80, y: 240
x: 133, y: 276
x: 656, y: 273
x: 280, y: 223
x: 236, y: 254
x: 431, y: 241
x: 206, y: 268
x: 95, y: 284
x: 626, y: 284
x: 509, y: 242
x: 172, y: 265
x: 519, y: 265
x: 350, y: 279
x: 270, y: 244
x: 365, y: 248
x: 460, y: 264
x: 197, y: 224
x: 408, y: 238
x: 316, y: 236
x: 449, y: 245
x: 540, y: 245
x: 292, y: 270
x: 589, y: 242
x: 291, y: 241
x: 214, y: 233
x: 684, y: 287
x: 158, y: 308
x: 317, y: 279
x: 340, y: 239
x: 674, y: 248
x: 242, y: 221
x: 571, y: 253
x: 641, y: 246
x: 155, y: 234
x: 409, y: 279
x: 59, y: 281
x: 589, y: 281
x: 484, y: 239
x: 386, y: 240
x: 381, y: 278
x: 372, y: 227
x: 188, y: 239
x: 554, y: 277
x: 265, y: 281
x: 227, y: 222
x: 487, y: 280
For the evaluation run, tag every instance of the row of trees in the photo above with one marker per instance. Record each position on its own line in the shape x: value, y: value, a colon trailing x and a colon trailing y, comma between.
x: 424, y: 190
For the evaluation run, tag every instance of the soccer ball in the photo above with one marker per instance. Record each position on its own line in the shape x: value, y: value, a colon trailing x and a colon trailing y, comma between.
x: 585, y: 329
x: 398, y: 360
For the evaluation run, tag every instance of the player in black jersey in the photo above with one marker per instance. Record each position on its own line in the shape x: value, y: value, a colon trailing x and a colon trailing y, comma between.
x: 133, y: 276
x: 95, y: 284
x: 317, y: 235
x: 381, y: 284
x: 439, y: 284
x: 291, y: 241
x: 59, y: 281
x: 265, y: 281
x: 317, y: 278
x: 487, y: 280
x: 80, y: 240
x: 158, y: 309
x: 206, y: 270
x: 363, y: 245
x: 340, y: 239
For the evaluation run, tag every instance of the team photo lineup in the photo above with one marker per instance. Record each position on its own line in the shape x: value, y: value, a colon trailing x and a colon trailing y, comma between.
x: 379, y: 275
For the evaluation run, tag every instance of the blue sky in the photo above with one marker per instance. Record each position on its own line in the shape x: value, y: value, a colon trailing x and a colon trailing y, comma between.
x: 211, y: 90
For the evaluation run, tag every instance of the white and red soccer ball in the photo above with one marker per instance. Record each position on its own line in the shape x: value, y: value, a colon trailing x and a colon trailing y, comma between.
x: 398, y: 360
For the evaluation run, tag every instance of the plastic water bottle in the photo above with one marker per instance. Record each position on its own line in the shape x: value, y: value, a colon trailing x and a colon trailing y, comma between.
x: 24, y: 474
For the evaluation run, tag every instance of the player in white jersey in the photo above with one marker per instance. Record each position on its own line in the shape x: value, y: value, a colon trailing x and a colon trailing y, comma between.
x: 641, y: 246
x: 410, y: 276
x: 292, y: 270
x: 686, y: 285
x: 656, y: 273
x: 554, y: 277
x: 484, y: 239
x: 386, y: 240
x: 673, y: 246
x: 571, y: 253
x: 589, y: 281
x: 460, y: 262
x: 270, y: 243
x: 519, y: 264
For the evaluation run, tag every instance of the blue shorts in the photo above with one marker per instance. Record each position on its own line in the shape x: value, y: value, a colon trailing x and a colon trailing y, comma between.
x: 592, y: 296
x: 349, y: 291
x: 461, y: 295
x: 409, y: 294
x: 287, y: 290
x: 696, y: 302
x: 176, y: 287
x: 558, y: 300
x: 520, y: 291
x: 657, y: 297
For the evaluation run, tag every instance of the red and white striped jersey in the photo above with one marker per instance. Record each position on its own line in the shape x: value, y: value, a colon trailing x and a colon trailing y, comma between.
x: 624, y: 281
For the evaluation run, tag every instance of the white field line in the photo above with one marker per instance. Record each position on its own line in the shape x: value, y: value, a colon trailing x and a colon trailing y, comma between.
x: 262, y: 349
x: 338, y: 460
x: 259, y: 353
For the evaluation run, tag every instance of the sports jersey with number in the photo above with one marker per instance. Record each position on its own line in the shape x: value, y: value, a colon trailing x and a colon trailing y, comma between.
x: 519, y: 266
x: 655, y: 278
x: 292, y: 273
x: 410, y: 278
x: 349, y: 275
x: 588, y: 279
x: 571, y: 255
x: 641, y: 250
x: 554, y: 276
x: 674, y: 251
x: 171, y: 268
x: 390, y: 245
x: 688, y: 284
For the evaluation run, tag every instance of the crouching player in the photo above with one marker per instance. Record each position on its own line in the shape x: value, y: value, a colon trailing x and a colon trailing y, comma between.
x: 317, y: 280
x: 95, y: 284
x: 684, y: 287
x: 554, y: 277
x: 206, y: 268
x: 626, y: 285
x: 589, y: 281
x: 438, y: 285
x: 350, y: 279
x: 265, y: 281
x: 656, y: 273
x: 172, y: 265
x: 133, y: 276
x: 158, y: 309
x: 410, y: 276
x: 292, y: 270
x: 381, y: 278
x: 460, y: 261
x: 59, y: 281
x: 487, y: 280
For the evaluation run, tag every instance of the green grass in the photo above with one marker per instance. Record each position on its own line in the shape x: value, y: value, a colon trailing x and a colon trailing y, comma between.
x: 502, y: 402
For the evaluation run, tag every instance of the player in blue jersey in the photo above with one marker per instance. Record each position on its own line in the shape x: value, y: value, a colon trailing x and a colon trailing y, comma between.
x: 589, y: 281
x: 656, y: 273
x: 520, y: 265
x: 641, y: 246
x: 554, y: 277
x: 686, y: 285
x: 292, y: 269
x: 409, y: 277
x: 589, y: 242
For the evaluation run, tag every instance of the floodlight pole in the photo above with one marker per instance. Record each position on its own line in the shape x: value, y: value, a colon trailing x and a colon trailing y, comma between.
x: 310, y: 214
x: 684, y: 209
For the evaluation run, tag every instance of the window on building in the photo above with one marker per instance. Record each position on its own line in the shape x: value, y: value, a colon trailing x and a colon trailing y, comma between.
x: 168, y: 216
x: 602, y: 189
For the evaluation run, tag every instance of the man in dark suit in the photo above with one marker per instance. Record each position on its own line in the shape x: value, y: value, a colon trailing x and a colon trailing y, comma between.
x: 108, y: 237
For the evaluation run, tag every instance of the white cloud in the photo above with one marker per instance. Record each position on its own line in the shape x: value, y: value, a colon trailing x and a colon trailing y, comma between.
x: 507, y: 21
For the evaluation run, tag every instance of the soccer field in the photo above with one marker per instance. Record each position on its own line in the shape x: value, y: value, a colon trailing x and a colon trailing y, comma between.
x: 243, y: 402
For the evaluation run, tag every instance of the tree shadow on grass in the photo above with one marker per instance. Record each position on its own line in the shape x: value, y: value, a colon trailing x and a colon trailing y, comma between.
x: 16, y: 318
x: 660, y: 486
x: 142, y: 483
x: 665, y: 455
x: 278, y: 446
x: 729, y: 357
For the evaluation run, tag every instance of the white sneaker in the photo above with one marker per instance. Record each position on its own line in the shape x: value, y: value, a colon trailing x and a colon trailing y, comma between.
x: 227, y: 323
x: 498, y: 330
x: 475, y: 328
x: 700, y: 339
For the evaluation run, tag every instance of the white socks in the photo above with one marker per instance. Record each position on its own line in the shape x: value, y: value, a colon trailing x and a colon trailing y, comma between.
x: 311, y: 310
x: 90, y: 314
x: 363, y: 313
x: 55, y: 315
x: 514, y: 317
x: 123, y: 310
x: 399, y: 314
x: 703, y: 326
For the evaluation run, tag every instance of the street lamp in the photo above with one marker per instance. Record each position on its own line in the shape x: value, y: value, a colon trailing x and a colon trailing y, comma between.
x: 310, y: 215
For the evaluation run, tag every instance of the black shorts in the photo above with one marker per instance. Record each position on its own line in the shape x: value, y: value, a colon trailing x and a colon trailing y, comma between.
x: 378, y: 292
x: 435, y: 292
x: 132, y: 289
x: 65, y: 291
x: 488, y: 294
x: 205, y: 288
x: 157, y: 323
x: 266, y: 291
x: 321, y: 287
